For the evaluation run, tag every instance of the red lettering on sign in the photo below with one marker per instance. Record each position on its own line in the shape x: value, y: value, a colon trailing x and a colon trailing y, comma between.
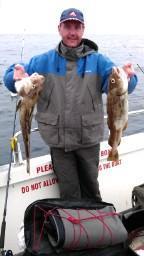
x: 36, y: 186
x: 39, y: 185
x: 25, y: 189
x: 115, y: 163
x: 44, y: 168
x: 104, y: 152
x: 106, y: 165
x: 50, y: 182
x: 100, y: 167
x: 110, y: 164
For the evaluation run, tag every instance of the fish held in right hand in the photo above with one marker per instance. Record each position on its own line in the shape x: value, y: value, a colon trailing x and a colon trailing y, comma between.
x: 30, y: 89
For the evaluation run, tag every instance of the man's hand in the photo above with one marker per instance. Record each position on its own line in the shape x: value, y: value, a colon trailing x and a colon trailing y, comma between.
x: 129, y: 69
x: 19, y: 72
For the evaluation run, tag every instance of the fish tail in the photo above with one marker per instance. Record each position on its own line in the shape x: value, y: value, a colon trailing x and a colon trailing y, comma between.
x: 26, y: 126
x: 113, y: 155
x: 28, y: 165
x: 27, y: 150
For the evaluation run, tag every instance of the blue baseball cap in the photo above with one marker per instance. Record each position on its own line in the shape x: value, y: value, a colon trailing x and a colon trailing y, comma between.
x: 72, y: 14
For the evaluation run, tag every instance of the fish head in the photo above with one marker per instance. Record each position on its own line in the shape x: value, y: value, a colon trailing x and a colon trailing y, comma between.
x: 118, y: 82
x: 37, y: 81
x: 30, y: 85
x: 23, y: 86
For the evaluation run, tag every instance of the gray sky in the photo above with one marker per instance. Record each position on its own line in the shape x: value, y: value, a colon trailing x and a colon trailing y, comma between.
x: 101, y: 16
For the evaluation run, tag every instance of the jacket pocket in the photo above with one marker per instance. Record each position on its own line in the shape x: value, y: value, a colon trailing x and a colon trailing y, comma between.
x: 91, y: 129
x: 48, y: 125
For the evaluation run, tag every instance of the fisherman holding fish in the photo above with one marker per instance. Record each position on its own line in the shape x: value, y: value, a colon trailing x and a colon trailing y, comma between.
x: 70, y: 112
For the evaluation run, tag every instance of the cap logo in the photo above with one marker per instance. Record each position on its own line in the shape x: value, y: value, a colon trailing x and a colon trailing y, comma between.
x: 72, y: 14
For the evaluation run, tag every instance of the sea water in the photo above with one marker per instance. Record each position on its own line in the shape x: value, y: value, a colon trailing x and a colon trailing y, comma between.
x: 17, y: 48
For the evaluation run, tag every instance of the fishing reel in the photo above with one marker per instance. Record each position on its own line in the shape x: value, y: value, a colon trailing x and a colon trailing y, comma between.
x: 6, y: 253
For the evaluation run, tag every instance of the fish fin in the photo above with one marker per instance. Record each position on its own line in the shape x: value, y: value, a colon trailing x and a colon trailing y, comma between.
x: 31, y: 113
x: 126, y: 125
x: 28, y: 165
x: 30, y: 120
x: 18, y: 105
x: 113, y: 155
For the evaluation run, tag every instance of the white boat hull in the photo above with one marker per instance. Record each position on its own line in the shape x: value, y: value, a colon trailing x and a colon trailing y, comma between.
x: 116, y: 183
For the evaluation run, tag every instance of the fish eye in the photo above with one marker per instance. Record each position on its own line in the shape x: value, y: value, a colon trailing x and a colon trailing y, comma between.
x: 33, y: 86
x: 112, y: 80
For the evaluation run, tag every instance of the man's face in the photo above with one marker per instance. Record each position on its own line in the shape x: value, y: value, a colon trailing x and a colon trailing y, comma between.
x: 71, y: 32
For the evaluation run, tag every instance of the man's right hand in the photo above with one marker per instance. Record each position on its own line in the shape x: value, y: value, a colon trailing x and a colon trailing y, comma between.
x: 19, y: 72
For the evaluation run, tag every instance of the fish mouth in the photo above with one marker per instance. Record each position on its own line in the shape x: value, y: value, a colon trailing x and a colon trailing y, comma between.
x: 42, y: 78
x: 37, y: 80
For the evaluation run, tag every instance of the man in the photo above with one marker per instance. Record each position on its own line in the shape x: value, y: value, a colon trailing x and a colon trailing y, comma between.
x: 70, y: 109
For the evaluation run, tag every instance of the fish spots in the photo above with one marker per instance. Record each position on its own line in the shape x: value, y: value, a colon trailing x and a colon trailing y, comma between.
x: 117, y: 110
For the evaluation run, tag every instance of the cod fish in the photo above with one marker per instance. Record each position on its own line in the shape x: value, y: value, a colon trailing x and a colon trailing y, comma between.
x: 117, y: 109
x: 30, y: 88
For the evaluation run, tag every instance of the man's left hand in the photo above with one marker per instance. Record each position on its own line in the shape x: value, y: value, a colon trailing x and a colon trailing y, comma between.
x: 129, y: 69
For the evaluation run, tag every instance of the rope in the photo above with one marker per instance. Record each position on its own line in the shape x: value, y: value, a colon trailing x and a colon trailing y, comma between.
x: 100, y: 216
x: 140, y: 68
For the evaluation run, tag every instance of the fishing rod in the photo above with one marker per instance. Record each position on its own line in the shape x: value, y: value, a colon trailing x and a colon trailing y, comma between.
x: 140, y: 68
x: 3, y: 225
x: 131, y: 55
x: 23, y: 44
x: 13, y: 144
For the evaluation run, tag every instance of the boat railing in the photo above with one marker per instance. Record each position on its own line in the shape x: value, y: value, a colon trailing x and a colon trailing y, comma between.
x: 17, y: 153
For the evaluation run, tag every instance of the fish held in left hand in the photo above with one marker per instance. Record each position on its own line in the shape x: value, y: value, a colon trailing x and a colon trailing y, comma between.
x: 30, y: 88
x: 117, y: 109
